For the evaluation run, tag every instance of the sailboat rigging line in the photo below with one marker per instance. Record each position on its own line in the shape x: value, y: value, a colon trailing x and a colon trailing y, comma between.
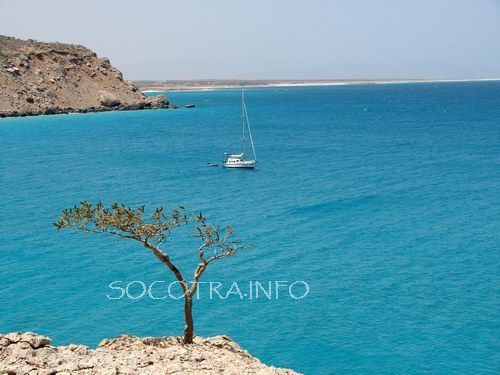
x: 249, y: 130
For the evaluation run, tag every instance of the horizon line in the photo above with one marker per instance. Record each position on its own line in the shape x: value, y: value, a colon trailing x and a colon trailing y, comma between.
x: 319, y: 79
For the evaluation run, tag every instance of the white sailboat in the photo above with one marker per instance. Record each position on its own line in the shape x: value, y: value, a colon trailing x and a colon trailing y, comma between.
x: 241, y: 160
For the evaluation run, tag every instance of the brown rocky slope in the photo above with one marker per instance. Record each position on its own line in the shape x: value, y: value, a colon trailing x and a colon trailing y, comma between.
x: 29, y: 353
x: 47, y: 78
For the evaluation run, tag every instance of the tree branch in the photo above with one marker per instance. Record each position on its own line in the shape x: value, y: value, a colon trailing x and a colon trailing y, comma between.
x: 165, y: 259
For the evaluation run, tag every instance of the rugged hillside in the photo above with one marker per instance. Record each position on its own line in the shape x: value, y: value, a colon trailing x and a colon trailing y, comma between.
x: 45, y: 78
x: 23, y: 353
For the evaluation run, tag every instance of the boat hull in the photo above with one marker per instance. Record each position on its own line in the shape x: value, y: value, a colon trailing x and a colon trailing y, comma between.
x: 244, y: 164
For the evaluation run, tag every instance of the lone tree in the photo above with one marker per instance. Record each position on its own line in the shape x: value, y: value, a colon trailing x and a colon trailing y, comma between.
x: 152, y: 232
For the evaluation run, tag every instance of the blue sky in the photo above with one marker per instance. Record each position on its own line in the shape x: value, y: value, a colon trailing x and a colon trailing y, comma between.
x: 273, y: 39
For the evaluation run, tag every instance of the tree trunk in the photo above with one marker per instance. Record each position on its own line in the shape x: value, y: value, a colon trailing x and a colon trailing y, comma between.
x: 188, y: 317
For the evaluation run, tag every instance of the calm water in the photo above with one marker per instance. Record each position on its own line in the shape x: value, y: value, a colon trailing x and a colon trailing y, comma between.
x: 384, y: 198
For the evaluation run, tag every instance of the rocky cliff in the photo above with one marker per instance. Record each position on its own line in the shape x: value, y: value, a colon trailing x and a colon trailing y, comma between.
x: 47, y: 78
x: 28, y: 353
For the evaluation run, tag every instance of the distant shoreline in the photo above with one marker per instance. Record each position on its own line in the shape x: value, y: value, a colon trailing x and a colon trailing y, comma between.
x: 208, y: 85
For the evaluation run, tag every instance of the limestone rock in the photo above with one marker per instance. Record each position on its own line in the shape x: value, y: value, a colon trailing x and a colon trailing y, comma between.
x: 159, y: 101
x: 30, y: 353
x: 36, y: 341
x: 107, y: 99
x: 14, y: 70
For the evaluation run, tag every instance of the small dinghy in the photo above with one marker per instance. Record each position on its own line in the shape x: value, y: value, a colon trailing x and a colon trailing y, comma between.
x: 241, y: 160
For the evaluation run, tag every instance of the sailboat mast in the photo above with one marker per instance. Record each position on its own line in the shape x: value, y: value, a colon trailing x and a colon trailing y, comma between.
x: 249, y: 130
x: 243, y: 120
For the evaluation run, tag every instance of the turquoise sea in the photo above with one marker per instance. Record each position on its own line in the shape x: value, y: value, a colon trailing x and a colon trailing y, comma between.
x: 385, y: 199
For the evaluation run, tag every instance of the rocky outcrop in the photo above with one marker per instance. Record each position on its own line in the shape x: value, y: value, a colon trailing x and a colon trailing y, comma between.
x: 49, y: 78
x: 108, y: 100
x: 28, y: 353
